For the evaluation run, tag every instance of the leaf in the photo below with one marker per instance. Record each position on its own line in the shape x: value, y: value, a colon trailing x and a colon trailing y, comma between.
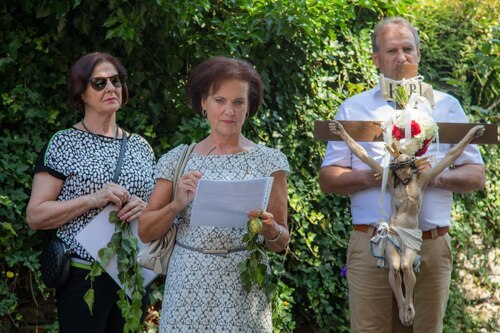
x: 105, y: 255
x: 271, y: 290
x: 401, y: 96
x: 7, y: 226
x: 89, y: 299
x: 113, y: 218
x: 95, y: 270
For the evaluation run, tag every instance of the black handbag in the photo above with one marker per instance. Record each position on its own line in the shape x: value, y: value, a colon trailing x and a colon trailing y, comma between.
x: 55, y: 263
x: 55, y: 260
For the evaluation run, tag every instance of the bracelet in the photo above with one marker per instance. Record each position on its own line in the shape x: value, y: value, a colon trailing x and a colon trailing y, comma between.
x: 275, y: 239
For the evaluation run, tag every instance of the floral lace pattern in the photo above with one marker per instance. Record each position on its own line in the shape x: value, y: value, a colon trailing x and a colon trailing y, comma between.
x: 203, y: 292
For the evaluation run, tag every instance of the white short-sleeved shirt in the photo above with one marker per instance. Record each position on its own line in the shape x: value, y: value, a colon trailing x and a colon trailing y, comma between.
x: 370, y: 105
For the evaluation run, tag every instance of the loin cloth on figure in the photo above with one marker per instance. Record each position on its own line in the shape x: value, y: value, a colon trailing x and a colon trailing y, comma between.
x: 411, y: 238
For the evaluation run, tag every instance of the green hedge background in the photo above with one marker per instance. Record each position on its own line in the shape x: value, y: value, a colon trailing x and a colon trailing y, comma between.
x: 311, y: 54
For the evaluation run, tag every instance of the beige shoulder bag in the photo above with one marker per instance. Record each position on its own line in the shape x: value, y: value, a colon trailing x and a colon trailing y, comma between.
x: 156, y: 254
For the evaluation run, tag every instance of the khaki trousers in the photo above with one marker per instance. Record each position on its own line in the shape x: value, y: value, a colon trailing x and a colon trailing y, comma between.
x: 370, y: 296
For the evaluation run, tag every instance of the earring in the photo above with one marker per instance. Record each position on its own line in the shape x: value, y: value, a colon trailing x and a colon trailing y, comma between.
x: 204, y: 112
x: 247, y: 115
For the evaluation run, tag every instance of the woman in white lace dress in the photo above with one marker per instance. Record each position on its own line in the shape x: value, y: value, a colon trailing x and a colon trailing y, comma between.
x: 203, y: 292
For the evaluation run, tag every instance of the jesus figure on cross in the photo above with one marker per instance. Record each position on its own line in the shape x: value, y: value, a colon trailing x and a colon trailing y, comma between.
x: 401, y: 236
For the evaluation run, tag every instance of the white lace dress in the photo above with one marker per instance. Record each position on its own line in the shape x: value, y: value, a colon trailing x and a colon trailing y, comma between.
x: 203, y: 292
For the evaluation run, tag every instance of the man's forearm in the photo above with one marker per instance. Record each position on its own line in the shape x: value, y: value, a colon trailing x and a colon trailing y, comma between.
x: 344, y: 181
x: 463, y: 179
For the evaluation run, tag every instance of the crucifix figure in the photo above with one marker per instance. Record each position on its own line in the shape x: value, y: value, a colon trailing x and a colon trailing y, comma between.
x: 406, y: 186
x: 372, y: 306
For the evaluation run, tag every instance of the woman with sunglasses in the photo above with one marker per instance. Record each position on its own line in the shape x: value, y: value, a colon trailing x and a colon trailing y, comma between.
x: 203, y: 291
x: 73, y: 183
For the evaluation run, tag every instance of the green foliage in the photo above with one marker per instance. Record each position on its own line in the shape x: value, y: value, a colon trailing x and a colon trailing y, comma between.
x: 401, y: 96
x: 253, y: 270
x: 311, y: 55
x: 124, y: 245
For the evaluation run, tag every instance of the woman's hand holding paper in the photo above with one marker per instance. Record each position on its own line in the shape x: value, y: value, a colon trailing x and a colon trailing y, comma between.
x: 186, y: 188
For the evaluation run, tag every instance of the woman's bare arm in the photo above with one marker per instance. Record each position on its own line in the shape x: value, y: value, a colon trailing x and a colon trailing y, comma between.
x: 274, y: 220
x: 45, y: 212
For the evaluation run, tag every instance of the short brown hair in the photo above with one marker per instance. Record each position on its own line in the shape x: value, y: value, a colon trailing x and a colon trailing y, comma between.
x: 209, y: 75
x: 396, y: 21
x: 81, y: 71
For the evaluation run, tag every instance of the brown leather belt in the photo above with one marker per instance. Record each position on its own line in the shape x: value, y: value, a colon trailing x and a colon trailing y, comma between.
x: 214, y: 251
x: 364, y: 227
x: 428, y: 234
x: 439, y: 231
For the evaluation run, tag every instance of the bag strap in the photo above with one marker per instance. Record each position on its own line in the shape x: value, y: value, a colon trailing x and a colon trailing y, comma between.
x: 181, y: 165
x: 120, y: 158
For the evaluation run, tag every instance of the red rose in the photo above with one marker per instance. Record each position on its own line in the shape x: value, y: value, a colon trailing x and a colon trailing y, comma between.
x: 421, y: 151
x: 424, y: 148
x: 415, y: 128
x: 398, y: 133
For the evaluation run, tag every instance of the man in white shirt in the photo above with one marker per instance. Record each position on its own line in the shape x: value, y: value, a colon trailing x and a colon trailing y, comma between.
x: 395, y: 41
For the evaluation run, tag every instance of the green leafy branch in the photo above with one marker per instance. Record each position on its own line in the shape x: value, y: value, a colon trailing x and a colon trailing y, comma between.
x: 253, y: 270
x: 124, y: 244
x: 401, y: 96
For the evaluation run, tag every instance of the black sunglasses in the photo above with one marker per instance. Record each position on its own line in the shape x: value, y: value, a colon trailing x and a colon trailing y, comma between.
x: 99, y: 83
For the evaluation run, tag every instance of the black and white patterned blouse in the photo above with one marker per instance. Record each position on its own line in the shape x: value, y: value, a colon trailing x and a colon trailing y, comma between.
x: 86, y: 162
x: 203, y: 292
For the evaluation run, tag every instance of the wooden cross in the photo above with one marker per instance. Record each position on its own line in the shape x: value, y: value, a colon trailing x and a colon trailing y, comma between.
x: 372, y: 131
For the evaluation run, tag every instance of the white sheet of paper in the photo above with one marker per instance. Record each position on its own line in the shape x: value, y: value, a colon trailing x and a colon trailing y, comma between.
x: 96, y: 235
x: 226, y: 203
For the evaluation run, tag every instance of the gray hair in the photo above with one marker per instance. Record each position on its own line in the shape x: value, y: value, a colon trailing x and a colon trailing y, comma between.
x: 396, y: 21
